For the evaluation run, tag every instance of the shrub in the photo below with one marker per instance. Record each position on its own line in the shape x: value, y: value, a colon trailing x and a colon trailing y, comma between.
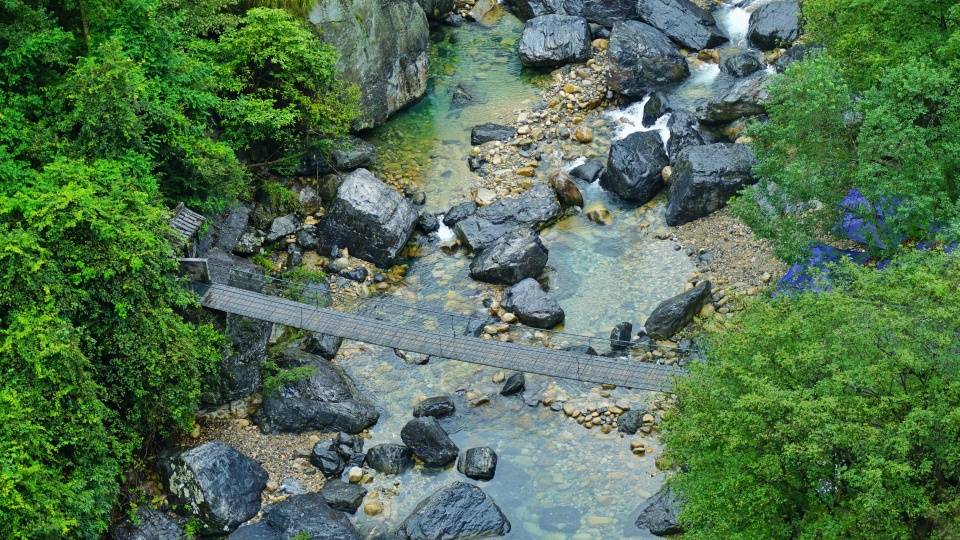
x: 833, y: 415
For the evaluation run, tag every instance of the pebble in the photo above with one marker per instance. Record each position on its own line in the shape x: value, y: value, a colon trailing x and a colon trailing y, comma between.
x: 499, y: 377
x: 355, y: 475
x: 583, y: 134
x: 372, y: 508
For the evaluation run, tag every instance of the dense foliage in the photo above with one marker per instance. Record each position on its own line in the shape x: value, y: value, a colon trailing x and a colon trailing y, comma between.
x: 832, y: 415
x: 109, y: 112
x: 879, y: 111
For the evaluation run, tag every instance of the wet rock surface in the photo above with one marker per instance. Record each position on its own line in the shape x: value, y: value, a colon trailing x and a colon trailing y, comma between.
x: 483, y: 133
x: 744, y: 99
x: 660, y: 513
x: 325, y: 400
x: 478, y: 463
x: 532, y: 209
x: 742, y: 64
x: 532, y: 305
x: 389, y: 458
x: 517, y: 255
x: 437, y: 407
x: 674, y: 313
x: 369, y: 218
x: 459, y: 510
x: 324, y: 345
x: 215, y: 483
x: 429, y: 442
x: 684, y: 22
x: 643, y: 58
x: 554, y: 40
x: 307, y: 515
x: 634, y: 165
x: 514, y: 384
x: 705, y: 177
x: 149, y: 524
x: 775, y: 24
x: 684, y: 131
x: 343, y: 496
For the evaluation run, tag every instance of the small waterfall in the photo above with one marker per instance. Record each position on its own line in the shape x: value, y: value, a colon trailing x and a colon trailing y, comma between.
x: 630, y: 120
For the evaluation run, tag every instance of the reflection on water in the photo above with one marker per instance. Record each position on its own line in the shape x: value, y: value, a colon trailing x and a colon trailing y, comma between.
x: 475, y: 77
x: 554, y: 480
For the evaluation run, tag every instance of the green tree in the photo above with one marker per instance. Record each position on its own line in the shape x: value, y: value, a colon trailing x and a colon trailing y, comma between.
x: 833, y: 415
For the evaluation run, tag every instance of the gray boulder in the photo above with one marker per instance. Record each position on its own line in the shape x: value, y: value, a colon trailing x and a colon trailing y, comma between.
x: 459, y: 212
x: 343, y: 496
x: 600, y: 12
x: 354, y: 154
x: 241, y: 361
x: 671, y: 315
x: 215, y: 483
x: 684, y: 130
x: 684, y: 22
x: 705, y: 177
x: 459, y: 510
x: 429, y: 442
x: 369, y: 218
x: 478, y: 463
x: 643, y: 58
x: 282, y: 226
x: 554, y: 40
x: 437, y: 407
x: 745, y: 98
x: 589, y: 171
x: 299, y: 516
x: 326, y: 400
x: 634, y: 165
x: 533, y: 209
x: 776, y: 24
x: 630, y: 421
x: 482, y: 133
x: 149, y: 524
x: 515, y: 256
x: 531, y: 304
x: 389, y: 458
x: 660, y: 513
x: 383, y: 48
x: 620, y: 336
x: 326, y: 458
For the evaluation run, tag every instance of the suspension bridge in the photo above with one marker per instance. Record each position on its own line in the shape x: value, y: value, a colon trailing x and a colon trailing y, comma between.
x: 387, y: 323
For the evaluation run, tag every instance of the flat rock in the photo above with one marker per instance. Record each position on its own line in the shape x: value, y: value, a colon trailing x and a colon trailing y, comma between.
x: 483, y: 133
x: 343, y: 496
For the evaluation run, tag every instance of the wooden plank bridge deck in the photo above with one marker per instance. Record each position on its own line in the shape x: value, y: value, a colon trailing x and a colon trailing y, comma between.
x: 511, y: 356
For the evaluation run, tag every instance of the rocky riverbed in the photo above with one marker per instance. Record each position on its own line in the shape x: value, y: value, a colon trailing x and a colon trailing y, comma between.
x: 561, y: 183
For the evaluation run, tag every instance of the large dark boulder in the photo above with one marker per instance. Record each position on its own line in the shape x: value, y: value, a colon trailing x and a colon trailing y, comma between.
x: 534, y: 209
x: 369, y: 218
x: 299, y: 516
x: 383, y: 48
x: 742, y: 64
x: 517, y: 255
x: 326, y: 400
x: 215, y: 483
x: 775, y: 24
x: 660, y: 513
x: 705, y: 177
x: 241, y: 361
x: 621, y: 336
x: 149, y: 524
x: 389, y: 458
x: 478, y: 463
x: 684, y: 22
x: 630, y: 421
x: 437, y: 407
x: 671, y: 315
x: 634, y: 165
x: 429, y: 442
x: 642, y: 59
x: 531, y: 304
x: 459, y: 510
x: 343, y: 496
x: 554, y: 40
x: 744, y: 98
x: 514, y: 384
x: 684, y: 130
x: 482, y: 133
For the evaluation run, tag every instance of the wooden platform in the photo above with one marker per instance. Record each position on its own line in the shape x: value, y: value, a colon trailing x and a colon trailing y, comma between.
x: 510, y: 356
